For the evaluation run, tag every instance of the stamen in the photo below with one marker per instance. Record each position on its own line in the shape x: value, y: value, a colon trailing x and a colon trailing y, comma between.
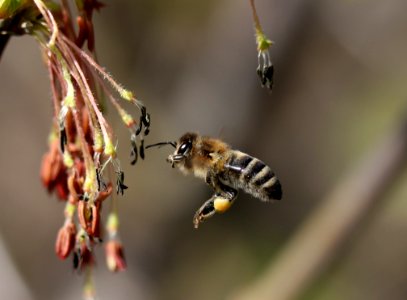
x: 120, y: 186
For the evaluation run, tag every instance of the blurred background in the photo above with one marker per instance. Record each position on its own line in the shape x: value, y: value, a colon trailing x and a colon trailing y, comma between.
x: 339, y: 93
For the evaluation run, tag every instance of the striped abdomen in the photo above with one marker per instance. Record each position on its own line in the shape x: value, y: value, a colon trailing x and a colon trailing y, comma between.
x: 253, y: 176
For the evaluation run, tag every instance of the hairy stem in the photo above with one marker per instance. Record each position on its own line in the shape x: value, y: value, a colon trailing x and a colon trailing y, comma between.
x: 255, y: 17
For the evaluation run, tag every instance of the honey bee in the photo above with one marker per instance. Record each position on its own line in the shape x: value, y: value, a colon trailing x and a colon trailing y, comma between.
x: 224, y: 169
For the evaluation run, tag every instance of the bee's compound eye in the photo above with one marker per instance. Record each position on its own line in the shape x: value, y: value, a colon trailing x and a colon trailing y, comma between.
x: 184, y: 148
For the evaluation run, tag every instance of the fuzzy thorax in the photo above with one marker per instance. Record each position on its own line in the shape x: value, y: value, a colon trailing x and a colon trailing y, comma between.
x: 205, y: 154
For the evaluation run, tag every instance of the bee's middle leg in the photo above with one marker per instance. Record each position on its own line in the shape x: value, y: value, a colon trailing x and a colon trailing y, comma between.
x: 218, y: 203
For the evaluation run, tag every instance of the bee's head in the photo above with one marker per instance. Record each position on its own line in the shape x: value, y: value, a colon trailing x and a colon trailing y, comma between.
x: 183, y: 149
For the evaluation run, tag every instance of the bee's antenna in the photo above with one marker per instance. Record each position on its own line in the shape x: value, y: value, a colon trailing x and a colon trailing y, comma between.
x: 174, y: 144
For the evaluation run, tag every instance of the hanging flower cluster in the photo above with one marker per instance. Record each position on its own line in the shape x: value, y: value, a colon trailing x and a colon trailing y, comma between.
x: 82, y: 158
x: 265, y: 68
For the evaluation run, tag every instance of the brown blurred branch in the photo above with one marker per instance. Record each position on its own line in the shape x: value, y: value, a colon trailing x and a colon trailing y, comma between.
x: 328, y: 227
x: 4, y: 38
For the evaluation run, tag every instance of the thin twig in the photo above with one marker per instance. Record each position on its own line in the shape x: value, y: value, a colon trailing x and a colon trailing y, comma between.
x: 327, y: 229
x: 255, y: 16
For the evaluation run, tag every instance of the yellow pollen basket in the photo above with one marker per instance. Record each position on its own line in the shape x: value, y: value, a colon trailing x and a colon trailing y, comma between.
x: 221, y: 204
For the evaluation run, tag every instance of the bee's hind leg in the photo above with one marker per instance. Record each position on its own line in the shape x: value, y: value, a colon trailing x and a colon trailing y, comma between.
x: 218, y: 203
x: 206, y: 211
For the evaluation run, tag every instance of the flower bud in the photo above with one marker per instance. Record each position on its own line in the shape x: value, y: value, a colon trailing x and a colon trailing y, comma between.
x: 115, y: 256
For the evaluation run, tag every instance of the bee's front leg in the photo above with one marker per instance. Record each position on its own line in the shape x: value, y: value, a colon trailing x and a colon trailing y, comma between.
x: 218, y: 203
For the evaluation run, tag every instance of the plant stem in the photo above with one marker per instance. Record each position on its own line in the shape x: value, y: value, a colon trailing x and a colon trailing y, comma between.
x: 255, y: 17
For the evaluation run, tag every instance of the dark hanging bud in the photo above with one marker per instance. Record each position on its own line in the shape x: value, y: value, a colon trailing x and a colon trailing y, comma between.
x: 134, y: 151
x: 76, y: 259
x: 120, y: 186
x: 146, y: 121
x: 101, y: 183
x: 143, y: 111
x: 266, y: 76
x: 142, y: 149
x: 63, y: 139
x: 140, y: 127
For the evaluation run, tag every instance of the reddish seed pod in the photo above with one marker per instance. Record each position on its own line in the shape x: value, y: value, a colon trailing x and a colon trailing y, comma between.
x: 52, y: 165
x: 89, y: 217
x: 53, y: 171
x: 65, y: 241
